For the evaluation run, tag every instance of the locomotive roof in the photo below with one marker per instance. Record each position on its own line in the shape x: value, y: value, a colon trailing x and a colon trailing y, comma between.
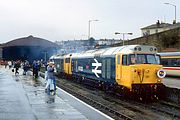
x: 112, y: 51
x: 56, y: 57
x: 128, y: 49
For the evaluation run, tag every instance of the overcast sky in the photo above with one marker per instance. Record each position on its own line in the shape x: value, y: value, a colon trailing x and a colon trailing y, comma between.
x: 68, y: 19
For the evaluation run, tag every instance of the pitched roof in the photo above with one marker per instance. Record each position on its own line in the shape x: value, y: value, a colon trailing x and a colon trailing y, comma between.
x: 161, y: 25
x: 30, y: 41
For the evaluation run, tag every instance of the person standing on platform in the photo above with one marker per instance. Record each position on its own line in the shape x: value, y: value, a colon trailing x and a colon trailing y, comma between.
x: 10, y: 64
x: 50, y: 77
x: 5, y: 63
x: 17, y: 66
x: 35, y: 69
x: 25, y: 67
x: 34, y: 62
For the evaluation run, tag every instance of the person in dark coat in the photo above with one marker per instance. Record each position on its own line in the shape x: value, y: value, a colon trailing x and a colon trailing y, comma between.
x: 35, y: 69
x: 17, y: 66
x: 25, y: 67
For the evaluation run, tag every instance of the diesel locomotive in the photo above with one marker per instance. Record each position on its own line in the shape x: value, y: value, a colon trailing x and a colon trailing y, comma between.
x: 131, y: 71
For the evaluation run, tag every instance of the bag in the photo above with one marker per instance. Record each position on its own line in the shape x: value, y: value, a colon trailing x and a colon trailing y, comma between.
x: 12, y: 70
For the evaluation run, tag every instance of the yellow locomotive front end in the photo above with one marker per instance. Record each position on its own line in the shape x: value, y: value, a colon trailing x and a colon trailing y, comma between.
x: 140, y: 72
x: 147, y: 81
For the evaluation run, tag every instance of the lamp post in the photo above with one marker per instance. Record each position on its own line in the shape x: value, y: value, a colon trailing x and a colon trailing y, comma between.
x: 89, y: 27
x: 45, y: 56
x: 123, y: 35
x: 174, y: 9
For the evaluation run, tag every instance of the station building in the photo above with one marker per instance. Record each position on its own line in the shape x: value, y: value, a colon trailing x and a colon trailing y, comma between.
x: 28, y: 48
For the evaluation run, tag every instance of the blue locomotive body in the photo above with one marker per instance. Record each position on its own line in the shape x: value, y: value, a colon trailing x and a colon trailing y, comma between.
x: 101, y: 68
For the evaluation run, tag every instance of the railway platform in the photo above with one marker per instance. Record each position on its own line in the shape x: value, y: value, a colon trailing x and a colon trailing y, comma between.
x: 23, y: 98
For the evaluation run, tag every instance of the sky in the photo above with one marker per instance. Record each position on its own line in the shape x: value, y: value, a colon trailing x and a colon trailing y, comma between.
x: 57, y: 20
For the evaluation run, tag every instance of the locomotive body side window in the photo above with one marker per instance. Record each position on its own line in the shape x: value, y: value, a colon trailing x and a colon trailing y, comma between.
x: 118, y: 59
x: 76, y: 66
x: 124, y: 59
x: 113, y: 68
x: 104, y: 68
x: 61, y: 64
x: 108, y: 68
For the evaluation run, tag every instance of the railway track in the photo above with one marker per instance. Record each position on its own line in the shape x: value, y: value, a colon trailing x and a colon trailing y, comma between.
x: 168, y: 108
x: 96, y: 104
x: 161, y: 107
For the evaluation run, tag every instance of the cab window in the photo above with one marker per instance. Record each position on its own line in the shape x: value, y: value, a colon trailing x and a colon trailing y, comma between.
x: 67, y: 60
x: 152, y: 59
x: 141, y: 59
x: 158, y: 59
x: 132, y: 59
x: 144, y: 59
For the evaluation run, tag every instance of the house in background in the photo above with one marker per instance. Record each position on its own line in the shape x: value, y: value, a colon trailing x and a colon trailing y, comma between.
x: 158, y: 27
x: 108, y: 42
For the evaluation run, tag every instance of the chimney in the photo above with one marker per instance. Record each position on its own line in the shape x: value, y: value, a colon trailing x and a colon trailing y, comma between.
x: 158, y: 23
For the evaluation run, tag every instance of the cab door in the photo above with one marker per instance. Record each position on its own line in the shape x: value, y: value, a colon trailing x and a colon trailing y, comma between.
x: 118, y: 67
x: 70, y: 66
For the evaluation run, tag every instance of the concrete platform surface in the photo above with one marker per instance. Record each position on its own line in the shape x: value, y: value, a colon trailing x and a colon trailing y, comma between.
x: 21, y: 98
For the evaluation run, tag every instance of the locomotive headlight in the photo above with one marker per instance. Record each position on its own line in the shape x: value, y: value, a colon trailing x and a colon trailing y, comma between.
x: 135, y: 49
x: 158, y: 80
x: 161, y: 73
x: 151, y: 49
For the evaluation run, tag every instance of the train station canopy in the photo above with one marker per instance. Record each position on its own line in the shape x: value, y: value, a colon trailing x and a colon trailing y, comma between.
x: 30, y: 41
